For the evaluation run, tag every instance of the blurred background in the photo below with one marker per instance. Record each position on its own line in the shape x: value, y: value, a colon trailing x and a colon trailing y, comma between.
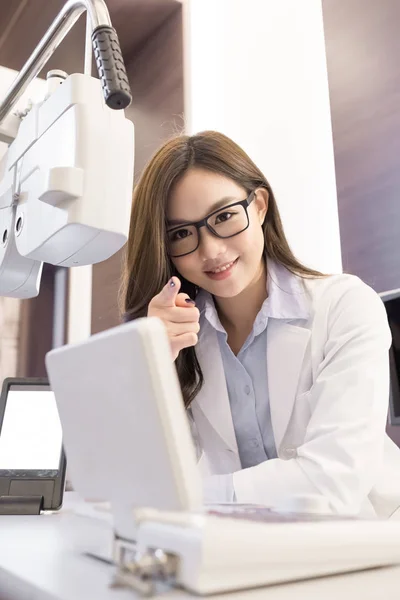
x: 150, y: 34
x: 263, y: 65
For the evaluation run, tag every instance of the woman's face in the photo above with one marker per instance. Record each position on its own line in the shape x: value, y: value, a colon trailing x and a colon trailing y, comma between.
x: 194, y: 197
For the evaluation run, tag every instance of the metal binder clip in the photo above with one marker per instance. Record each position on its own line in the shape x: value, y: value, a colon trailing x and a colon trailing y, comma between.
x: 141, y: 571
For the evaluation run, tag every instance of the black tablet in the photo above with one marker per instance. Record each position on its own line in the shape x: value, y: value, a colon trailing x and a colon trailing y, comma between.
x: 32, y: 459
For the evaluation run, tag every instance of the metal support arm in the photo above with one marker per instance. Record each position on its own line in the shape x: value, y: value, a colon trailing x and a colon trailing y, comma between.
x: 106, y: 47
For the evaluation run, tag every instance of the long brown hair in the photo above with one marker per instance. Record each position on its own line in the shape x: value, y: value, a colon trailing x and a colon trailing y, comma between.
x: 147, y: 265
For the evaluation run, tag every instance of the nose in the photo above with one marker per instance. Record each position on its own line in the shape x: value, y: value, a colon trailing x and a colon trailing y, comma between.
x: 210, y: 245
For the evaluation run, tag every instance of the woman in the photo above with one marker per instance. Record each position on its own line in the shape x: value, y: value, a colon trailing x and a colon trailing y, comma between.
x: 284, y: 370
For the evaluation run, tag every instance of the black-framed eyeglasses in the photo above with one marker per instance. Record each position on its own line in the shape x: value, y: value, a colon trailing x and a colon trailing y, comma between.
x: 225, y: 222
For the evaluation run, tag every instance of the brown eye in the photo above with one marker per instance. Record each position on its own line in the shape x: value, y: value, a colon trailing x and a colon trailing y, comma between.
x: 180, y: 234
x: 222, y: 217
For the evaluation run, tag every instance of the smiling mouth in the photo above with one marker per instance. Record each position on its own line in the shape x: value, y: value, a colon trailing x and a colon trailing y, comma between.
x: 223, y: 268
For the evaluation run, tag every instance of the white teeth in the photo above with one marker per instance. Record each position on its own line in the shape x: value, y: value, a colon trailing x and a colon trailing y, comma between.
x: 224, y: 268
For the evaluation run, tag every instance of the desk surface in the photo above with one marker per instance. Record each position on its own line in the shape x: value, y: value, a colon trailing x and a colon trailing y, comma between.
x: 40, y: 559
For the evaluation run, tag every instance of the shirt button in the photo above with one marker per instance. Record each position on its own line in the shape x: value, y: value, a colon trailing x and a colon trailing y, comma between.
x: 247, y: 389
x: 289, y: 452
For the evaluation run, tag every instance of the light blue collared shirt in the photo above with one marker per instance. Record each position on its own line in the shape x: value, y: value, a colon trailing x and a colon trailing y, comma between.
x: 246, y: 375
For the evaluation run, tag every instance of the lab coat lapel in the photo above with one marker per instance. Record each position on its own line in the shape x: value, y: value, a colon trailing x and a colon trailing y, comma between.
x: 286, y: 345
x: 213, y: 400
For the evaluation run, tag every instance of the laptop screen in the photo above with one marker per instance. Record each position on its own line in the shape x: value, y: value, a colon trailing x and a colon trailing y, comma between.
x: 31, y: 436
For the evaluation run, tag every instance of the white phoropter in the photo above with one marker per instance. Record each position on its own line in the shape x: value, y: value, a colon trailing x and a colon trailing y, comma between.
x: 66, y: 178
x: 128, y: 441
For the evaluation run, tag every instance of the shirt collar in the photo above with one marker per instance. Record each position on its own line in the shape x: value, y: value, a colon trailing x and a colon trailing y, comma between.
x: 286, y: 300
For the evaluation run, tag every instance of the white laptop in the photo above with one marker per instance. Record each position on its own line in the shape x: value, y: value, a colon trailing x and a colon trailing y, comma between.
x: 123, y: 420
x: 128, y: 441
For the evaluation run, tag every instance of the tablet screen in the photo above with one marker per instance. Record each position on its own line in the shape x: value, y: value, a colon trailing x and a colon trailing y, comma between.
x: 30, y: 436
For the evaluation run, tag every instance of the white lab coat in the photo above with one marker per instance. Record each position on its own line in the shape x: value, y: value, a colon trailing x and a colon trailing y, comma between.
x: 328, y: 381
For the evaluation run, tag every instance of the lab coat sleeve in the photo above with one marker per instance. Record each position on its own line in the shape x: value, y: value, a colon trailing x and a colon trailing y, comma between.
x: 216, y: 488
x: 343, y: 445
x: 220, y: 487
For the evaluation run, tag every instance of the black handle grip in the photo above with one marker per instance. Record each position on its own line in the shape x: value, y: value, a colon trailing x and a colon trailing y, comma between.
x: 111, y: 67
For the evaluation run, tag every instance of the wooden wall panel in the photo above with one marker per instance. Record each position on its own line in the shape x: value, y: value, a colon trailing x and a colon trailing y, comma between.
x: 156, y: 78
x: 363, y: 46
x: 36, y: 328
x: 363, y: 49
x: 24, y: 22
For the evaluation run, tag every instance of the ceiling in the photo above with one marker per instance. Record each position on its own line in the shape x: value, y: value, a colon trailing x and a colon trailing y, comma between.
x: 24, y: 22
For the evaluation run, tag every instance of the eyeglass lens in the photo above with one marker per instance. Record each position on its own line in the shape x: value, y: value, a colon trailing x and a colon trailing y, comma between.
x: 224, y: 223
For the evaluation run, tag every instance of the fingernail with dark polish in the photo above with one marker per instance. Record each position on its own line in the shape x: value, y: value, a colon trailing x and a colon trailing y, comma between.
x: 190, y: 301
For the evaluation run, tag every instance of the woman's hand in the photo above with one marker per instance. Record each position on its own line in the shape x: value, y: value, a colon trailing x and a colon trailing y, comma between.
x: 179, y: 315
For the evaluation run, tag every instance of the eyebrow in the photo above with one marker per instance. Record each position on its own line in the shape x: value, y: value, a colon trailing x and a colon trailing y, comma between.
x: 216, y: 206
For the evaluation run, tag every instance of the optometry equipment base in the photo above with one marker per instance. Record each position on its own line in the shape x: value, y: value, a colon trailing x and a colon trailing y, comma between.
x: 43, y: 558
